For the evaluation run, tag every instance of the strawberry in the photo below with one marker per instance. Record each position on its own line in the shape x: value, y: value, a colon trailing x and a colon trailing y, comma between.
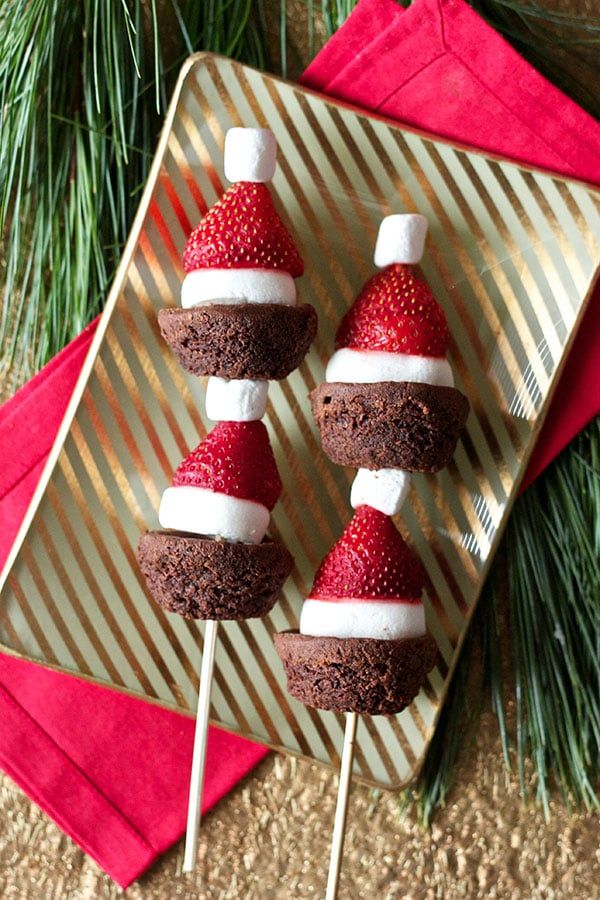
x: 235, y: 459
x: 395, y: 312
x: 370, y: 561
x: 243, y: 230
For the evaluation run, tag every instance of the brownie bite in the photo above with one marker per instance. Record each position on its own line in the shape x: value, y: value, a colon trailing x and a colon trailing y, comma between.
x: 362, y: 675
x: 262, y: 341
x: 204, y: 578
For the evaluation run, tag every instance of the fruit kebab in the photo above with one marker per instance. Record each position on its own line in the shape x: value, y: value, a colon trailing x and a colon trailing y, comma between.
x: 388, y: 407
x: 240, y: 324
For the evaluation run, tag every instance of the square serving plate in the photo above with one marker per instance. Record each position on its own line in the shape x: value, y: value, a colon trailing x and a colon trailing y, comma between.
x: 512, y: 258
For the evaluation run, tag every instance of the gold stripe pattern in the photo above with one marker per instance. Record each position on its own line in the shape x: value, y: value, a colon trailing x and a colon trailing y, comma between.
x: 512, y: 256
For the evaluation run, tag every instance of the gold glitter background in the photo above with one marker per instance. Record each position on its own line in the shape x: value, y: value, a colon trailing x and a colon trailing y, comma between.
x: 270, y: 839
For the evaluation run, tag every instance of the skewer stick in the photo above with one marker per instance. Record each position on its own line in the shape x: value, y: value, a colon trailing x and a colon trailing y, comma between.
x: 339, y: 825
x: 199, y: 755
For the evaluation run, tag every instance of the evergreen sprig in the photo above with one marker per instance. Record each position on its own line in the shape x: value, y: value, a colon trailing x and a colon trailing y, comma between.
x: 82, y: 87
x: 545, y: 589
x: 554, y: 595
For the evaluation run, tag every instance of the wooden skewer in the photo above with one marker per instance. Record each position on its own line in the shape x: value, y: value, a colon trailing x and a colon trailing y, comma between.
x: 199, y: 755
x: 339, y: 825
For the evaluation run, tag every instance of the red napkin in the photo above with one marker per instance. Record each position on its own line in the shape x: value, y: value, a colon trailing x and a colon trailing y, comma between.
x: 111, y: 770
x: 69, y: 744
x: 438, y: 67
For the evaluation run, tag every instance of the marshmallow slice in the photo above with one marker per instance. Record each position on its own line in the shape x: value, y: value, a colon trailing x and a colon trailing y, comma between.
x: 370, y: 366
x: 205, y: 286
x: 250, y: 154
x: 382, y: 489
x: 380, y: 619
x: 236, y: 400
x: 401, y: 239
x: 200, y: 511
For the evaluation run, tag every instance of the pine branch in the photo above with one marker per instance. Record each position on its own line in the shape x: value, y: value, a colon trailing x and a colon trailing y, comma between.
x: 550, y: 601
x: 559, y: 44
x: 554, y: 591
x: 82, y: 86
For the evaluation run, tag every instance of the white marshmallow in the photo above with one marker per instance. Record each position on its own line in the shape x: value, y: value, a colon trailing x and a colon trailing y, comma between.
x: 237, y: 286
x: 200, y: 511
x: 250, y: 154
x: 386, y: 620
x: 238, y: 400
x: 401, y: 239
x: 369, y: 366
x: 383, y: 489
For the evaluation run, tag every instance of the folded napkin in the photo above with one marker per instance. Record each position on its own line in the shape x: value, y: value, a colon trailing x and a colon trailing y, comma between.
x: 68, y: 743
x: 110, y: 769
x: 438, y: 67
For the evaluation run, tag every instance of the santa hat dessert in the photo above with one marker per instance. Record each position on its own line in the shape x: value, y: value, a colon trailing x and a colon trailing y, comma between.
x: 240, y: 318
x: 214, y: 562
x: 362, y: 644
x: 389, y: 401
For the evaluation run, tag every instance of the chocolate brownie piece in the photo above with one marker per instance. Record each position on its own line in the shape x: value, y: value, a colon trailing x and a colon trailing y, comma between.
x: 203, y: 578
x: 360, y: 675
x: 389, y: 424
x: 251, y: 340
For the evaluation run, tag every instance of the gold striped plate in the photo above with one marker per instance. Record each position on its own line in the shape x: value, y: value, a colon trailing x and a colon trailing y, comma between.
x: 511, y: 256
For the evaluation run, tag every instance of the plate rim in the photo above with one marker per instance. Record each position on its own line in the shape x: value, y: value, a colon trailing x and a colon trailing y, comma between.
x: 192, y: 61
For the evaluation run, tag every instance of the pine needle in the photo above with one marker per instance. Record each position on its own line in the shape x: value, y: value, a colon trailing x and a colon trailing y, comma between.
x: 82, y: 89
x: 554, y: 590
x: 551, y: 600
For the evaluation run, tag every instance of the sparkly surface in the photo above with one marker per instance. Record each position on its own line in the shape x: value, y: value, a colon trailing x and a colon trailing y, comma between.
x: 243, y: 230
x: 395, y: 312
x: 270, y: 839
